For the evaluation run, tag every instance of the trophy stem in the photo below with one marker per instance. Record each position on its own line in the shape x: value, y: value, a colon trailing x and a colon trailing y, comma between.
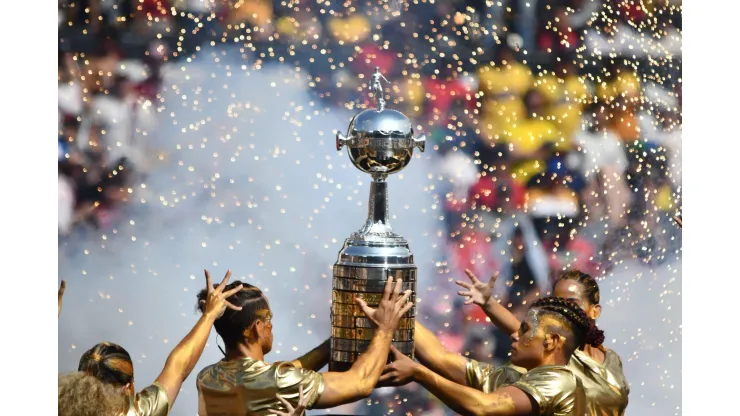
x: 377, y: 222
x: 378, y: 207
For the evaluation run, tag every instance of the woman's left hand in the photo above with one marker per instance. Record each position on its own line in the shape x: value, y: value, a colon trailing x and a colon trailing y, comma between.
x: 400, y: 371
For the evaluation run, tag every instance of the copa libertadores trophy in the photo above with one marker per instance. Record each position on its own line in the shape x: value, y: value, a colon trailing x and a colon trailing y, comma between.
x: 380, y: 142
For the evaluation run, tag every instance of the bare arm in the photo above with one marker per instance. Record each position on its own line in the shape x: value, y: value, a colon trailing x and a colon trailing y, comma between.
x: 185, y: 355
x: 315, y: 359
x: 479, y: 293
x: 509, y: 401
x: 357, y: 382
x: 431, y: 353
x: 501, y: 317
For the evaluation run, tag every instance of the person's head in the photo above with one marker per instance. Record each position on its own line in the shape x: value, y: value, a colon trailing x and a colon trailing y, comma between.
x: 534, y: 102
x: 81, y: 394
x: 111, y: 364
x: 252, y: 325
x: 552, y: 330
x: 582, y: 289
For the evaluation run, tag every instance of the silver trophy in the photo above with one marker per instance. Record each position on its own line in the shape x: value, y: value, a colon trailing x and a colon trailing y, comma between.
x: 380, y: 142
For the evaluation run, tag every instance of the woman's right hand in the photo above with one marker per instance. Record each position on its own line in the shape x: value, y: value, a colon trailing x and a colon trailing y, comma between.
x: 478, y: 292
x: 216, y: 303
x: 392, y: 307
x: 298, y: 411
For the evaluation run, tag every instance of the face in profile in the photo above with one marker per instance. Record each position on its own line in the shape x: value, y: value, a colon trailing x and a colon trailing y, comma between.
x: 264, y: 328
x: 528, y: 344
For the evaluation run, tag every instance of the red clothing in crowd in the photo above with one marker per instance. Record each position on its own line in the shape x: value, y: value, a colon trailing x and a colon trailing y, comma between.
x: 488, y: 193
x: 442, y: 93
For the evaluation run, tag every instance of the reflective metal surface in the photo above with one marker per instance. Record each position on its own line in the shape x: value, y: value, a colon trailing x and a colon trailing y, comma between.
x: 380, y: 142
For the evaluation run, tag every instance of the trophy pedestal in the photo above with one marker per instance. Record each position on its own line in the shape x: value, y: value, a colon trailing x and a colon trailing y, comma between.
x: 361, y: 272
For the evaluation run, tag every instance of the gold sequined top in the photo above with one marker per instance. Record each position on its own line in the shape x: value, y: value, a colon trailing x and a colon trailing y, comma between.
x: 152, y: 401
x: 556, y: 389
x: 606, y: 388
x: 249, y: 387
x: 487, y: 378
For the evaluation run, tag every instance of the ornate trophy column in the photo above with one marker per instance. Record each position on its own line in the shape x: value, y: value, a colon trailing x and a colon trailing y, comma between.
x: 380, y: 142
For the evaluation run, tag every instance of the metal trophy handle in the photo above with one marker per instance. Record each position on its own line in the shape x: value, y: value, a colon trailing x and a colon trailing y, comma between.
x: 342, y: 141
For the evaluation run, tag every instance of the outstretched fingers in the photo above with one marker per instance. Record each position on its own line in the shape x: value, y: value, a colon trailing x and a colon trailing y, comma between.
x: 209, y: 282
x: 397, y: 288
x: 221, y: 287
x: 366, y: 309
x: 387, y: 289
x: 406, y: 308
x: 285, y: 403
x: 233, y: 291
x: 403, y: 299
x: 466, y: 285
x: 304, y: 400
x: 471, y: 276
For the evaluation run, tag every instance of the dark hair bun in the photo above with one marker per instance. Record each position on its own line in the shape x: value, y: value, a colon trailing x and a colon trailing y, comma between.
x: 594, y: 336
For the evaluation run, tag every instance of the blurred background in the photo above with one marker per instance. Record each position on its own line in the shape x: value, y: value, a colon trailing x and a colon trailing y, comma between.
x: 200, y: 134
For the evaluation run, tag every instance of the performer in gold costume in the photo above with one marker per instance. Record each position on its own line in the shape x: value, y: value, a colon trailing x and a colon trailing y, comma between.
x: 552, y: 331
x: 244, y: 384
x: 104, y: 383
x: 599, y: 368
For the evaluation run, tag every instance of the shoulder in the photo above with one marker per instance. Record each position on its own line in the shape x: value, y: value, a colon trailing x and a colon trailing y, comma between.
x: 152, y: 401
x: 553, y: 388
x: 287, y: 374
x: 561, y: 374
x: 207, y: 372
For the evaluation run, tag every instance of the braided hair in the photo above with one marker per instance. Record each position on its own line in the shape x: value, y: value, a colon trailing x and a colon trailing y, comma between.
x: 231, y: 325
x: 589, y: 283
x: 584, y: 330
x: 109, y: 363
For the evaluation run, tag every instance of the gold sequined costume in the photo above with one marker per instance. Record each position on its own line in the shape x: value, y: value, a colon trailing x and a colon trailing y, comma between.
x: 606, y: 388
x: 556, y: 389
x: 249, y: 387
x: 152, y: 401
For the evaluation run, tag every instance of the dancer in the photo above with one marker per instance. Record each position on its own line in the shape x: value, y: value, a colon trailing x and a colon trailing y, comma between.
x: 599, y: 368
x: 104, y: 383
x: 244, y: 384
x: 553, y: 329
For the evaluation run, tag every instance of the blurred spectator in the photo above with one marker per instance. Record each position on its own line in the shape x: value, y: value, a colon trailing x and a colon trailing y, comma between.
x: 604, y: 165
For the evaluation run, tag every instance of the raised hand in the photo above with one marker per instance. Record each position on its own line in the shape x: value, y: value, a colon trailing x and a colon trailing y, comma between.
x: 392, y: 306
x: 398, y: 372
x: 62, y: 287
x: 298, y: 411
x: 216, y: 303
x: 478, y: 292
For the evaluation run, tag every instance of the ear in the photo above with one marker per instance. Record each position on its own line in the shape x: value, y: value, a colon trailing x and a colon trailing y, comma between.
x: 594, y: 312
x: 553, y: 341
x: 252, y: 333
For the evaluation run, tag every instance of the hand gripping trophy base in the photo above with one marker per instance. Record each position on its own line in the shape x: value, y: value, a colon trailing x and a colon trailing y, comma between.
x: 380, y: 142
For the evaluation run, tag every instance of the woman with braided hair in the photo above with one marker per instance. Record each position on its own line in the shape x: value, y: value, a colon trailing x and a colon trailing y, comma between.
x: 547, y: 338
x: 599, y: 368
